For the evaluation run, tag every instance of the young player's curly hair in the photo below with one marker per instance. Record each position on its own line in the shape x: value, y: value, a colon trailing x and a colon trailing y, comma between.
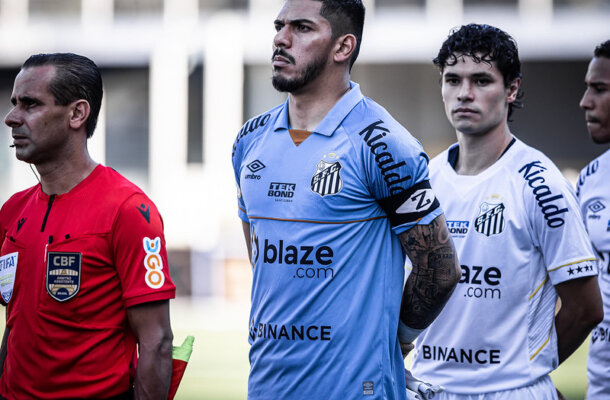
x: 603, y: 50
x: 484, y: 43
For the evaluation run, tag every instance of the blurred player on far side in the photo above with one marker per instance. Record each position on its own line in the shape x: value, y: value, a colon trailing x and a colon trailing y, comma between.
x: 593, y: 190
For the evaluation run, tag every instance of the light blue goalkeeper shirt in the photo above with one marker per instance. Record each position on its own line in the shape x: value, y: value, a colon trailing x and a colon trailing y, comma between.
x: 328, y: 266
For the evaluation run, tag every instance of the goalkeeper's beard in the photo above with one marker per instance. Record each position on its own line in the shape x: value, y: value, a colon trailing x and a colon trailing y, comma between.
x: 312, y: 71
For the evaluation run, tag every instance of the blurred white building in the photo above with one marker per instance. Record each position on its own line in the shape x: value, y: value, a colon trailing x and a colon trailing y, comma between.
x: 181, y: 76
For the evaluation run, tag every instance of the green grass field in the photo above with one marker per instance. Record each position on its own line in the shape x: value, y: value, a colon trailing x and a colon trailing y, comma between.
x: 218, y: 369
x: 571, y: 376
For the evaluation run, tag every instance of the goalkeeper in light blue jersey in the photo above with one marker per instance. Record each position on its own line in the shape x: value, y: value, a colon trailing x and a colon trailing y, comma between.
x: 334, y: 195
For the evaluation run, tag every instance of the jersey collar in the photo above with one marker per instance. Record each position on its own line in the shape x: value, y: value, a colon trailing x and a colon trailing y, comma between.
x: 333, y: 119
x: 99, y: 168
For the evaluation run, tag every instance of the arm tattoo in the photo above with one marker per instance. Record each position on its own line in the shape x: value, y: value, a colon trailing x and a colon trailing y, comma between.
x: 434, y: 276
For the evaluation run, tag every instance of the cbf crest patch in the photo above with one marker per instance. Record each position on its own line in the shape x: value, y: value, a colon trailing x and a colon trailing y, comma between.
x: 491, y: 219
x: 327, y: 178
x: 8, y: 268
x: 63, y: 274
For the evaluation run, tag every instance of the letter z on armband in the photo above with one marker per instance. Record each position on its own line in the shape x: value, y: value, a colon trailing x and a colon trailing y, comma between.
x: 410, y: 205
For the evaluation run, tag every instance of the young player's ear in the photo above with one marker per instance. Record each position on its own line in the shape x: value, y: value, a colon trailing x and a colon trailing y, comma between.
x: 79, y: 112
x: 344, y: 48
x: 513, y: 90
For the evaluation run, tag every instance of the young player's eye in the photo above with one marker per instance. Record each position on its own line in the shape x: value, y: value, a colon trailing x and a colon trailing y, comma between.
x: 27, y: 104
x: 599, y: 89
x: 303, y: 28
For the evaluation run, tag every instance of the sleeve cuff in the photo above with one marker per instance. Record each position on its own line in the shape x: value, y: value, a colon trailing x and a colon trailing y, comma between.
x: 150, y: 297
x: 574, y: 270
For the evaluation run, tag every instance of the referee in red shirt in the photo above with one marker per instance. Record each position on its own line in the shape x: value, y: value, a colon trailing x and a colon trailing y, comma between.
x: 83, y: 265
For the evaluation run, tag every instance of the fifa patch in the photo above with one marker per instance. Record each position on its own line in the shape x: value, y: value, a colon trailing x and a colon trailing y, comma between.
x: 153, y: 263
x: 327, y: 178
x: 8, y: 268
x: 368, y: 388
x: 63, y: 274
x: 491, y: 219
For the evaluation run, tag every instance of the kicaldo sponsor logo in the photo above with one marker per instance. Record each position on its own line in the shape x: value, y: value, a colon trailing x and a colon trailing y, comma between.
x: 153, y: 263
x: 373, y: 137
x: 311, y: 262
x: 549, y: 203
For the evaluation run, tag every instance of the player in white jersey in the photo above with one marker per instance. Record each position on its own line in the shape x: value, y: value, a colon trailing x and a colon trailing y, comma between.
x: 521, y: 243
x: 593, y: 190
x: 333, y: 195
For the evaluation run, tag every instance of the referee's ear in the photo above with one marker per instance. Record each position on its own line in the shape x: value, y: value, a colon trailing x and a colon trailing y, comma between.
x: 79, y: 113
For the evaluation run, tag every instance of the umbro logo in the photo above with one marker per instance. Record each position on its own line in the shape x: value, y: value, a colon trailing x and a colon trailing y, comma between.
x: 145, y: 211
x: 597, y: 206
x: 255, y: 166
x: 20, y: 223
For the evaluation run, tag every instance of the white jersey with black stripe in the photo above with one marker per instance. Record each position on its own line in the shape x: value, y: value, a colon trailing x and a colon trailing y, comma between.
x: 518, y: 232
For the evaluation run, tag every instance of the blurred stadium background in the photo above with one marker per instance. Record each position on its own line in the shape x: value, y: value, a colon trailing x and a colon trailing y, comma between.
x: 181, y: 76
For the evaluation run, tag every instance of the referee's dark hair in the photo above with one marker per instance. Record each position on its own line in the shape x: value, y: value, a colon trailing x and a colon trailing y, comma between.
x: 603, y: 50
x: 77, y: 78
x: 484, y: 43
x: 345, y: 16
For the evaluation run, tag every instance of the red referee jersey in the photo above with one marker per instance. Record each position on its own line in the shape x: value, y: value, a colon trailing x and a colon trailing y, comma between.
x: 83, y: 258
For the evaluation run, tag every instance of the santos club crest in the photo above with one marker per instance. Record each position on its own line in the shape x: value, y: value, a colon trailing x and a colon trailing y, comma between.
x: 327, y: 179
x: 491, y: 219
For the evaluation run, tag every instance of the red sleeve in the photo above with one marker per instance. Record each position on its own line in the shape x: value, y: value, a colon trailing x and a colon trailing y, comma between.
x: 3, y: 231
x: 140, y: 255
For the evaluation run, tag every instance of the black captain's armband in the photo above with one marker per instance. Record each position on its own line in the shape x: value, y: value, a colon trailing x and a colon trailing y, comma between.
x: 410, y: 205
